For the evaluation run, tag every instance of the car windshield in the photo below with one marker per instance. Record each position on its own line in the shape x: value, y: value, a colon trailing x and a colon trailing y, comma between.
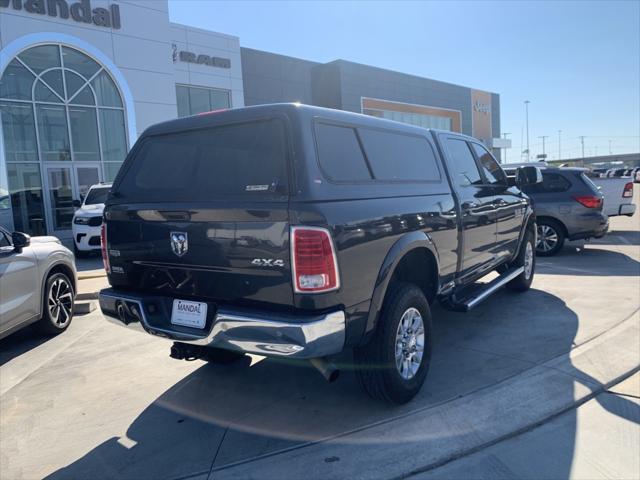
x: 97, y: 195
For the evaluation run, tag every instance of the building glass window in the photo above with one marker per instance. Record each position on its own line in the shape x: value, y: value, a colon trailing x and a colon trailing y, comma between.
x: 57, y: 105
x: 194, y: 100
x: 418, y: 119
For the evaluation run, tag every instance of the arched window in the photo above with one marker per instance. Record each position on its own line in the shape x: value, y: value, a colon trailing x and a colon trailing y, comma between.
x: 58, y: 105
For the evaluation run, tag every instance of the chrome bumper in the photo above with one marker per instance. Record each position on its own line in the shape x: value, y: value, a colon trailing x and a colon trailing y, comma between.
x: 262, y: 333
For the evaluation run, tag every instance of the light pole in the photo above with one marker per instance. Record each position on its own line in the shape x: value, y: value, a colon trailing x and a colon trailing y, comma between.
x: 559, y: 151
x: 526, y: 110
x: 582, y: 143
x: 609, y: 147
x: 504, y: 135
x: 544, y: 153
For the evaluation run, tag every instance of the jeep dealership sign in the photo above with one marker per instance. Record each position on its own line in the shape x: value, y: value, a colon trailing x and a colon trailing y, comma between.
x: 79, y: 11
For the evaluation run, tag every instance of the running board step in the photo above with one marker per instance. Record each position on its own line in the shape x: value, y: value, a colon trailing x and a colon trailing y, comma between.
x: 481, y: 292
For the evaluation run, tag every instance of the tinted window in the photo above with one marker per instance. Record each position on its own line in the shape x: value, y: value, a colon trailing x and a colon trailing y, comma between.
x: 97, y: 195
x: 245, y: 159
x: 551, y: 183
x: 492, y: 171
x: 462, y: 165
x: 340, y: 155
x: 395, y: 156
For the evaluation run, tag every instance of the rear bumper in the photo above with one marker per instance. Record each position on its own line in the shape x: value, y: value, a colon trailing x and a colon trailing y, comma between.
x: 627, y: 209
x: 250, y: 331
x: 588, y: 225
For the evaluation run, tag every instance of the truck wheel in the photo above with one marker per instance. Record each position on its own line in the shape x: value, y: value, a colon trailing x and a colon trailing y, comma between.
x: 394, y: 364
x: 550, y: 237
x: 57, y: 307
x: 526, y: 258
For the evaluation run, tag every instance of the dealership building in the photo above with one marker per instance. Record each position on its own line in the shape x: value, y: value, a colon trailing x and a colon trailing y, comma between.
x: 80, y: 80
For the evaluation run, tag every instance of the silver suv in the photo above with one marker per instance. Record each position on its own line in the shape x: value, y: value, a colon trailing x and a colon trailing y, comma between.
x: 37, y: 283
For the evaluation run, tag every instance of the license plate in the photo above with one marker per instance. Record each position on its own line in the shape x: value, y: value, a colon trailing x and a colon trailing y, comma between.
x: 189, y: 314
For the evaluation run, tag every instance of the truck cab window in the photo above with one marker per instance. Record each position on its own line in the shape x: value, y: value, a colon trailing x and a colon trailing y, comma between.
x: 492, y: 171
x: 464, y: 170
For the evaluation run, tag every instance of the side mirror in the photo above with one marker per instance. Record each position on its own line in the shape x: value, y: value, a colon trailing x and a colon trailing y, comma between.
x: 76, y: 203
x: 528, y: 175
x: 20, y: 240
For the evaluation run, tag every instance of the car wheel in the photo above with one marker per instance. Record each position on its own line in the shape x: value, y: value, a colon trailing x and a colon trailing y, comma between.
x: 550, y: 237
x: 394, y: 364
x: 77, y: 252
x: 59, y: 297
x: 526, y: 258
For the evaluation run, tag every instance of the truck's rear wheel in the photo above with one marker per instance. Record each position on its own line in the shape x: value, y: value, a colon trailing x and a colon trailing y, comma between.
x: 394, y: 364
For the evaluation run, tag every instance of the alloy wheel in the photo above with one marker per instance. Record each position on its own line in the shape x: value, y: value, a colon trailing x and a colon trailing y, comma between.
x: 60, y: 302
x: 528, y: 261
x: 409, y: 343
x: 547, y: 238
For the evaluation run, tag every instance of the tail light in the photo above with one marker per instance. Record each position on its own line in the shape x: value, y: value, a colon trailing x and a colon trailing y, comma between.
x: 589, y: 201
x: 314, y: 262
x: 103, y: 247
x: 628, y: 190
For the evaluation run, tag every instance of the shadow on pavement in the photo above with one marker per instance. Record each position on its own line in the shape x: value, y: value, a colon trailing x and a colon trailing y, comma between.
x: 591, y: 261
x: 21, y: 342
x: 620, y: 237
x: 219, y: 415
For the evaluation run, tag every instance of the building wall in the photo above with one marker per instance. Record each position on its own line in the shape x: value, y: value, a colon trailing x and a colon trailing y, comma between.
x: 200, y: 41
x: 273, y: 78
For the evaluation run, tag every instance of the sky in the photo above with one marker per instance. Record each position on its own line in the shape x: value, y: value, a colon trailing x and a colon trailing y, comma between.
x: 578, y: 63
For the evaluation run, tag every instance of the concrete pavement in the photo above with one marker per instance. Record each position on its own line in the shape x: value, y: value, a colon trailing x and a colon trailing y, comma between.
x: 99, y: 402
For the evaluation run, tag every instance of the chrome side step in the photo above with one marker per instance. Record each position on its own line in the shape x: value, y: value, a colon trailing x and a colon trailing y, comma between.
x: 481, y: 293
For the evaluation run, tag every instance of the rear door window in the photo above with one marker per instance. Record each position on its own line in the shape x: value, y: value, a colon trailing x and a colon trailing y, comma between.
x: 492, y: 171
x: 462, y: 165
x: 551, y: 183
x: 399, y: 157
x: 243, y: 160
x: 340, y: 155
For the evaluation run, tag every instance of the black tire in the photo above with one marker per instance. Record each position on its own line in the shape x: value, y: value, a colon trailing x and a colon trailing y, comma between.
x: 522, y: 282
x: 551, y: 237
x: 57, y: 304
x: 376, y: 364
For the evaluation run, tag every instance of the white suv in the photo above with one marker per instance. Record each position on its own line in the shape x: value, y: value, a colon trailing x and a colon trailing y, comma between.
x: 87, y: 220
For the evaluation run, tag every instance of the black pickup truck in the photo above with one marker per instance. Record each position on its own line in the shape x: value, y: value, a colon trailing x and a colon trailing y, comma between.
x: 299, y: 232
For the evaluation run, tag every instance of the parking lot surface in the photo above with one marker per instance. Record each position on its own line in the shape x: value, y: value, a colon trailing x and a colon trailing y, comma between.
x: 100, y: 402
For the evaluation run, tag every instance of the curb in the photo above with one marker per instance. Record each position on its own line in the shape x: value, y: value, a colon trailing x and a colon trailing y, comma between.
x: 89, y: 276
x: 429, y: 438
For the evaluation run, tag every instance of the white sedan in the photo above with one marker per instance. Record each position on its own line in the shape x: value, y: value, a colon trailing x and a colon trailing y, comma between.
x: 87, y: 220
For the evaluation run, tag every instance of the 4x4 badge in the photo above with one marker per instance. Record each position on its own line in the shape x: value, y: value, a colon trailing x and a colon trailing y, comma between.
x: 179, y: 243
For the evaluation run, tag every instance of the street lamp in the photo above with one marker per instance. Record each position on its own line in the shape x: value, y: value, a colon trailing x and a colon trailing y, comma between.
x: 526, y: 109
x: 505, y: 148
x: 559, y: 151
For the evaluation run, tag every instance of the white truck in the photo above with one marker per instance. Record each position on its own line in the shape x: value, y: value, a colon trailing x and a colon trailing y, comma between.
x: 618, y: 195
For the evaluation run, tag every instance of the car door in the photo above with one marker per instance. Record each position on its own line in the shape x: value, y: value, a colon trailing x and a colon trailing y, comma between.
x: 19, y: 284
x: 508, y: 202
x: 478, y: 229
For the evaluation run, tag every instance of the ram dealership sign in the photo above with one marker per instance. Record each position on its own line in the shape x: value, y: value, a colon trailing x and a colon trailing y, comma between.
x: 199, y: 59
x: 79, y: 11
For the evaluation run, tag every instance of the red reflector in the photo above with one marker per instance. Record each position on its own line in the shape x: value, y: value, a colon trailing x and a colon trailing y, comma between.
x: 589, y: 201
x: 628, y: 190
x: 103, y: 247
x: 314, y: 262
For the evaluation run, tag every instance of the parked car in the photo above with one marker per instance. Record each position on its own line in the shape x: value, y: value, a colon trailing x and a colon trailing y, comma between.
x: 37, y: 283
x: 298, y: 232
x: 568, y: 206
x: 618, y: 195
x: 87, y: 220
